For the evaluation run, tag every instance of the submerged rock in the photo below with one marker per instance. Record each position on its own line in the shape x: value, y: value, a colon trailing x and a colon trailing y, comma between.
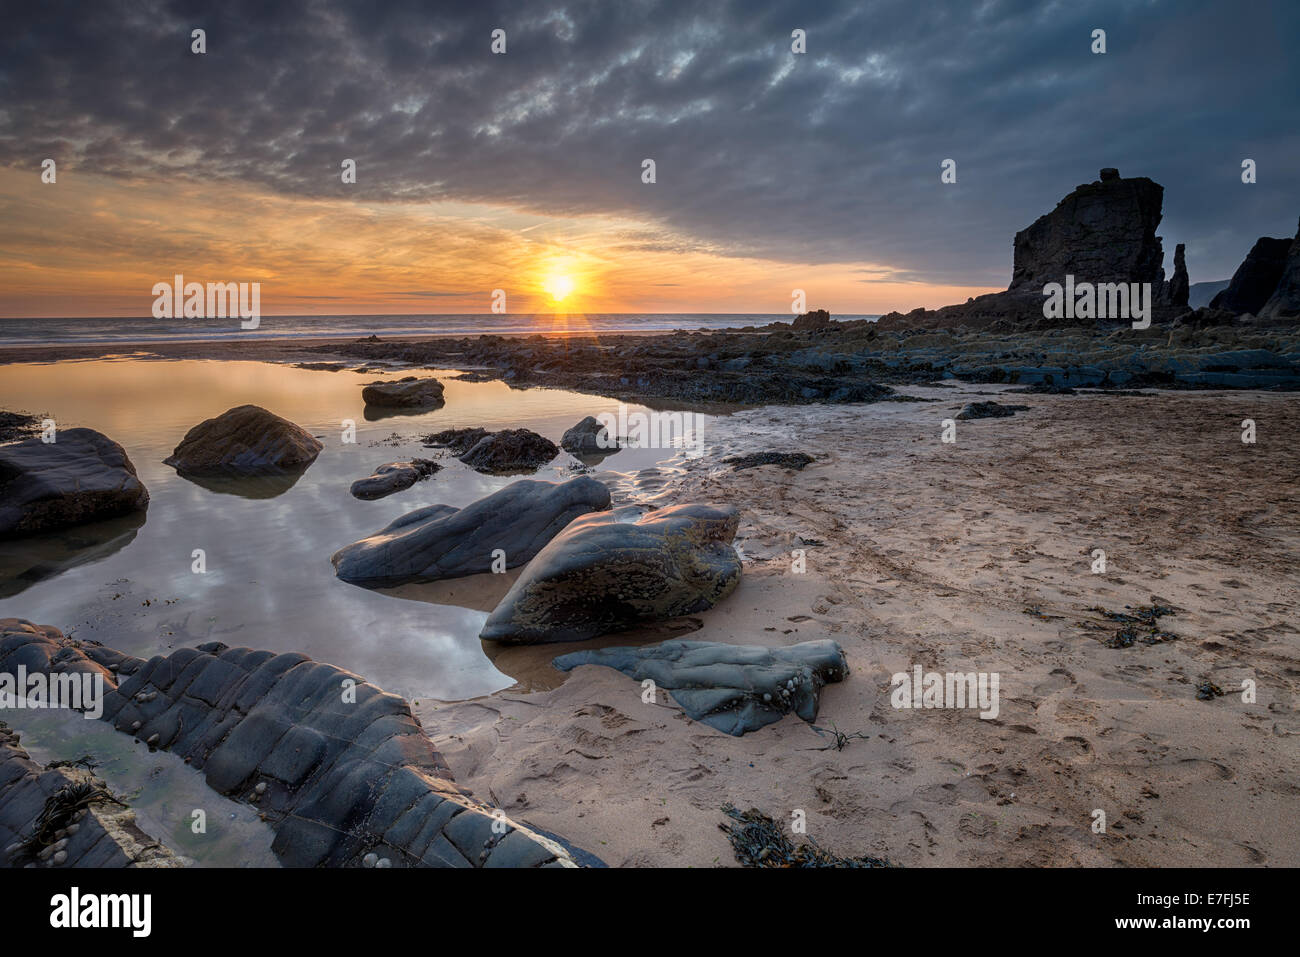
x: 734, y: 688
x: 83, y: 476
x: 990, y: 410
x: 440, y: 541
x: 618, y: 569
x: 338, y: 768
x: 407, y: 393
x: 393, y: 477
x: 511, y: 450
x: 245, y: 440
x: 589, y: 437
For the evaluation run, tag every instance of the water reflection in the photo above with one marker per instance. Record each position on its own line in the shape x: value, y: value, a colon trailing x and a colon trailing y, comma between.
x: 268, y: 581
x: 26, y: 561
x: 246, y: 486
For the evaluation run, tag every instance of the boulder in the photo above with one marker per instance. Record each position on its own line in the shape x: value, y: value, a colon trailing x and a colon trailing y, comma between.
x: 345, y: 780
x: 619, y: 569
x: 440, y: 541
x: 393, y: 477
x: 407, y: 393
x: 83, y: 476
x: 511, y: 450
x: 1255, y: 280
x: 1284, y: 303
x: 588, y: 437
x: 734, y: 688
x: 245, y: 440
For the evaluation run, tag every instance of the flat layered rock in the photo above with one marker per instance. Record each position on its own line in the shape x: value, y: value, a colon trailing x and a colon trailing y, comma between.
x: 511, y: 450
x: 407, y: 393
x: 440, y: 541
x: 393, y: 477
x: 245, y: 440
x: 618, y: 569
x: 83, y: 476
x: 734, y: 688
x: 342, y: 771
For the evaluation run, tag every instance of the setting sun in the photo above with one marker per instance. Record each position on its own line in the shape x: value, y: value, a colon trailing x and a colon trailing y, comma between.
x: 559, y: 287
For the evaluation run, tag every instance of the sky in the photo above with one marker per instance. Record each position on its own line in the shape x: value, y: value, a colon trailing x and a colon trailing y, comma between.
x: 522, y: 171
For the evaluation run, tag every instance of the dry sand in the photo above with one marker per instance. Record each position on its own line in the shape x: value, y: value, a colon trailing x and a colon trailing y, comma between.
x: 931, y: 555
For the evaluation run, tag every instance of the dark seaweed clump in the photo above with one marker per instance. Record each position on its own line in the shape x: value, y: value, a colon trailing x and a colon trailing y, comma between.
x: 1140, y: 626
x: 787, y: 460
x: 760, y: 842
x: 1206, y: 691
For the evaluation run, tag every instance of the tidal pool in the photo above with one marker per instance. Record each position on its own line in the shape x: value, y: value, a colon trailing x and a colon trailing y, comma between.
x: 130, y: 583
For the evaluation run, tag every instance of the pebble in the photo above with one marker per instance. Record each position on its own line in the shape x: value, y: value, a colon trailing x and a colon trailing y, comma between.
x: 60, y: 857
x: 370, y: 860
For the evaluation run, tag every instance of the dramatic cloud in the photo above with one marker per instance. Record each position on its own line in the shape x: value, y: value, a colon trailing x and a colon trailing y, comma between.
x: 832, y: 156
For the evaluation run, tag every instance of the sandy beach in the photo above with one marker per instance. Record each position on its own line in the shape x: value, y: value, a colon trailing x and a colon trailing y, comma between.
x: 931, y: 555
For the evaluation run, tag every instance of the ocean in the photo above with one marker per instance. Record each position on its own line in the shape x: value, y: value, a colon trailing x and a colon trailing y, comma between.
x: 127, y: 330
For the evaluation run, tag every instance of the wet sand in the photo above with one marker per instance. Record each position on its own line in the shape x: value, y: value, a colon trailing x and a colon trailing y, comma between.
x: 932, y: 553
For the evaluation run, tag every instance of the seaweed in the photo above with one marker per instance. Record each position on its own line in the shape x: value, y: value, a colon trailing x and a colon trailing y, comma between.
x: 59, y: 810
x: 758, y: 841
x: 1141, y: 625
x: 1208, y: 691
x: 842, y: 738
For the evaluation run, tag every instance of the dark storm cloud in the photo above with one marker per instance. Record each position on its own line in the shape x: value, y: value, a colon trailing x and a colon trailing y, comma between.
x: 832, y: 156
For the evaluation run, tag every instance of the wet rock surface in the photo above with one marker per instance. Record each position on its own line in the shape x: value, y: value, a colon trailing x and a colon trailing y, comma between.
x: 510, y: 451
x: 83, y: 476
x: 459, y: 441
x: 734, y: 688
x: 393, y: 477
x: 440, y: 541
x: 406, y: 393
x: 990, y: 410
x: 244, y: 441
x: 341, y: 770
x: 17, y: 425
x: 67, y: 817
x: 614, y: 570
x: 589, y: 437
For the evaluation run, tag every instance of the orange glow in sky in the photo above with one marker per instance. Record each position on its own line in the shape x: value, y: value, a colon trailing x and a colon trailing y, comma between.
x: 90, y: 245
